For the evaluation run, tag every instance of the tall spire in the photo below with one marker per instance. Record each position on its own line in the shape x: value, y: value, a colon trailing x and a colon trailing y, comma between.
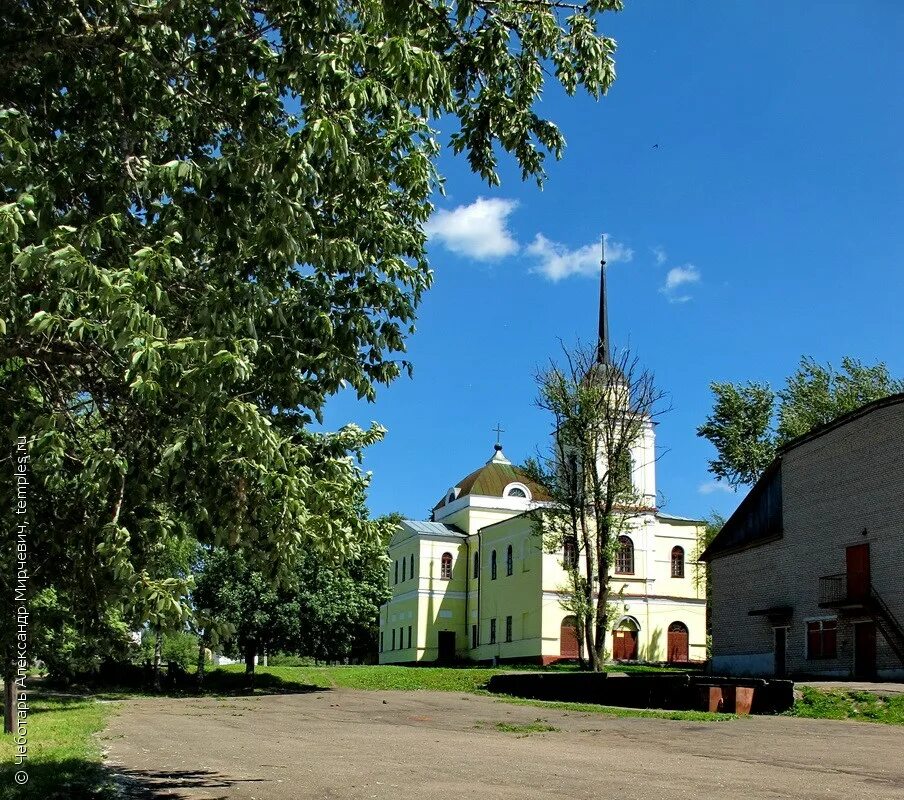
x: 602, y: 345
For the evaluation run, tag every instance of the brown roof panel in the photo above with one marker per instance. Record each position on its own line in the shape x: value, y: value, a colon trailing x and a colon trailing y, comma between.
x: 492, y: 478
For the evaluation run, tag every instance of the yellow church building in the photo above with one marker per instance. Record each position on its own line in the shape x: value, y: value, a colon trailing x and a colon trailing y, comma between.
x: 476, y: 583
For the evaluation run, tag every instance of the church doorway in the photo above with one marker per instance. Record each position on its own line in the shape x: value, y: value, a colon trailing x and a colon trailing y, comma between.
x: 677, y: 643
x: 624, y: 640
x: 569, y: 646
x: 446, y: 646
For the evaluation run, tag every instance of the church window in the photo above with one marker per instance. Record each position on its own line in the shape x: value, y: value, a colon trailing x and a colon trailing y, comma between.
x: 450, y: 498
x: 509, y: 561
x: 493, y: 631
x: 677, y: 562
x: 393, y: 639
x: 404, y: 563
x: 445, y: 567
x: 474, y: 630
x: 493, y: 565
x: 517, y: 491
x: 411, y: 571
x: 381, y: 641
x: 508, y: 629
x: 624, y: 557
x: 395, y: 578
x: 570, y: 554
x: 476, y: 565
x: 409, y: 636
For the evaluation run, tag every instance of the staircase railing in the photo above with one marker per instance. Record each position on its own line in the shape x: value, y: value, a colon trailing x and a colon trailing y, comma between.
x: 832, y: 589
x: 887, y: 623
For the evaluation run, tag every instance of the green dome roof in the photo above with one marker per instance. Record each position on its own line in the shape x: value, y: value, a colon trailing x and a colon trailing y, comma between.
x: 492, y: 478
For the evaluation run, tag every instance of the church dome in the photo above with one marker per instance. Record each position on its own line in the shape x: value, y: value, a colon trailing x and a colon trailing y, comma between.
x: 497, y: 478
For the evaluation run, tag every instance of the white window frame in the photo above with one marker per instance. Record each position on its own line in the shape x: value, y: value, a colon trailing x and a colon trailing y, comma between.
x: 517, y: 485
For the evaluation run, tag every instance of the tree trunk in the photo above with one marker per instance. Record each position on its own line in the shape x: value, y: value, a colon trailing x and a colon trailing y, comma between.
x: 602, y: 620
x: 158, y: 651
x: 10, y: 695
x: 593, y: 661
x: 202, y: 662
x: 250, y: 653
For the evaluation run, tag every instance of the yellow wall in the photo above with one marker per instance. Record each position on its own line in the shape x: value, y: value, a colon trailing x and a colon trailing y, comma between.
x: 427, y: 602
x: 514, y: 595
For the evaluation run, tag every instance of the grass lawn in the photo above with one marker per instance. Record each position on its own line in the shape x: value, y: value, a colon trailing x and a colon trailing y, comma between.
x: 64, y: 756
x: 382, y: 677
x: 438, y: 679
x: 839, y: 704
x: 540, y: 726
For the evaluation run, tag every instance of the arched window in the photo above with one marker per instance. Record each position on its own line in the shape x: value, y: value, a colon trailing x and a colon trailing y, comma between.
x: 411, y: 571
x: 476, y: 565
x: 395, y: 577
x: 624, y: 558
x: 404, y: 565
x: 509, y: 561
x: 493, y: 565
x: 517, y: 491
x: 677, y: 562
x: 570, y: 558
x: 445, y: 567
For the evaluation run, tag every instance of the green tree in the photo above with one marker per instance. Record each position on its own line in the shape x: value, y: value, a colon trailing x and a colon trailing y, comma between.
x: 248, y: 613
x: 211, y: 220
x: 328, y: 610
x: 750, y: 422
x: 340, y: 605
x: 705, y: 535
x: 599, y: 410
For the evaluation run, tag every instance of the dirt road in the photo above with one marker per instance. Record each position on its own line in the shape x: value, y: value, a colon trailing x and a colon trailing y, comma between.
x: 400, y: 745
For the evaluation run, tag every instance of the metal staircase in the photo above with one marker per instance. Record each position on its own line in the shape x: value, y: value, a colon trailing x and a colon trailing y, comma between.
x: 886, y: 623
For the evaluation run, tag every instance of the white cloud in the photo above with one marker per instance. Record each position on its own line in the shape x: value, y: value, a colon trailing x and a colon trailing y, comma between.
x: 711, y: 487
x: 676, y: 282
x: 479, y: 230
x: 556, y: 261
x: 660, y: 255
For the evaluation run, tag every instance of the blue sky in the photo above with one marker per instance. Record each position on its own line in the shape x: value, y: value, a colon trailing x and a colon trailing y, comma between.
x: 776, y: 192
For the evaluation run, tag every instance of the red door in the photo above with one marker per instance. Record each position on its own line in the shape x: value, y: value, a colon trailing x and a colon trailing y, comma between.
x: 678, y: 642
x: 568, y: 639
x: 624, y: 645
x: 858, y: 579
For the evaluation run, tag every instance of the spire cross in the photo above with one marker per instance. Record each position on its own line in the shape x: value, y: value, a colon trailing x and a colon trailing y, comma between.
x: 499, y: 431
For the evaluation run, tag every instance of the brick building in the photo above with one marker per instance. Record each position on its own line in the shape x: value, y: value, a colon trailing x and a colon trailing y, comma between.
x: 808, y: 573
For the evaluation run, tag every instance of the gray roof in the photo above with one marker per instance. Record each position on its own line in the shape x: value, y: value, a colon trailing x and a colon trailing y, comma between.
x: 675, y: 518
x: 432, y: 528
